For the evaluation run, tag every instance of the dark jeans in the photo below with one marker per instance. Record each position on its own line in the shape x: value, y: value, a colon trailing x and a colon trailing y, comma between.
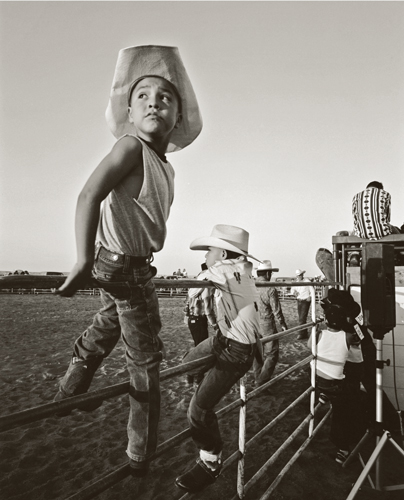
x: 232, y: 361
x: 198, y: 326
x: 263, y: 371
x: 331, y: 388
x: 303, y: 307
x: 348, y: 422
x: 129, y: 307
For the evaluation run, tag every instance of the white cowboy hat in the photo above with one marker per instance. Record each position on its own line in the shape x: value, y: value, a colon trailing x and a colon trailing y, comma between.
x: 227, y: 237
x: 266, y: 265
x: 153, y: 60
x: 299, y: 272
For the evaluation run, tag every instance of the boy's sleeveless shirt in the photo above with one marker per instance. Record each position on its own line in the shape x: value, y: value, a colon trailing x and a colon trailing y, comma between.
x: 138, y: 226
x: 332, y: 346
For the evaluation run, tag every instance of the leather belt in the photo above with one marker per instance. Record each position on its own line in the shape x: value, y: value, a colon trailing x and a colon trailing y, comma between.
x: 129, y: 261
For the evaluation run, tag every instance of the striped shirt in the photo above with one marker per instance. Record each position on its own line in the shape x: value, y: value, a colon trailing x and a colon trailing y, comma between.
x: 371, y: 214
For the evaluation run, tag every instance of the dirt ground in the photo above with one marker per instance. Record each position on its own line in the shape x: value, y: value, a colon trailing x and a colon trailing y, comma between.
x: 55, y: 457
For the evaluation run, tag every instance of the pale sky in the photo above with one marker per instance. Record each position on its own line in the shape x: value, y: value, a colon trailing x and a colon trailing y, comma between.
x: 302, y: 102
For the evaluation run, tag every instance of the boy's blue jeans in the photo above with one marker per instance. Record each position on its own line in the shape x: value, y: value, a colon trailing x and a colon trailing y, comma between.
x: 232, y: 361
x: 130, y: 307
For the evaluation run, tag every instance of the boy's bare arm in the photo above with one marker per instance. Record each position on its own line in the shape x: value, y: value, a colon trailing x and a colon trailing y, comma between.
x: 124, y: 159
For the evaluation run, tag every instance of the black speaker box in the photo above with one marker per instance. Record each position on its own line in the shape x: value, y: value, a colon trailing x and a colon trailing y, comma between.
x: 378, y: 292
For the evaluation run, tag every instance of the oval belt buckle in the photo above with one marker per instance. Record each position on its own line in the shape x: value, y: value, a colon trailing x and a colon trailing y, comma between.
x: 115, y: 257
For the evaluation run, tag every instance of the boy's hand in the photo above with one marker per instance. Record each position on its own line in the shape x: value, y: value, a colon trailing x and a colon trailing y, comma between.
x: 77, y: 279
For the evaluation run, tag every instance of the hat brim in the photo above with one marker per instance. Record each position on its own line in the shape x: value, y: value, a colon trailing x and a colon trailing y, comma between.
x: 205, y: 242
x: 272, y: 269
x: 153, y: 60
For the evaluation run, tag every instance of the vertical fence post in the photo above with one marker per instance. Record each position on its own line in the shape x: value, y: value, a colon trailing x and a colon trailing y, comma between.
x: 241, y: 439
x: 313, y: 362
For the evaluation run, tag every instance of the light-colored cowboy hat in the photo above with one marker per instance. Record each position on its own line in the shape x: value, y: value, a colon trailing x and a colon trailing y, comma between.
x: 266, y: 265
x: 299, y: 272
x: 153, y: 60
x: 227, y: 237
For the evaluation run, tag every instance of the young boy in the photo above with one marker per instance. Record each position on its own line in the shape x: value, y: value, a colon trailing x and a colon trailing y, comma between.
x: 334, y: 346
x: 234, y: 345
x: 333, y: 343
x: 152, y: 110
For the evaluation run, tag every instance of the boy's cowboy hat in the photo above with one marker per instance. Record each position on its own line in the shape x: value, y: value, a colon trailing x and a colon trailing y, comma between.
x: 343, y: 299
x: 153, y: 60
x: 227, y: 237
x: 299, y: 272
x: 266, y: 265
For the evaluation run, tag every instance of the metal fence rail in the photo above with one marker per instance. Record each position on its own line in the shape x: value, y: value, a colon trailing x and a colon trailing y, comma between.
x: 14, y: 420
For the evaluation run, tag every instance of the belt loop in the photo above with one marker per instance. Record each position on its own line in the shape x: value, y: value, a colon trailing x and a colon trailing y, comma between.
x: 126, y: 263
x: 97, y: 251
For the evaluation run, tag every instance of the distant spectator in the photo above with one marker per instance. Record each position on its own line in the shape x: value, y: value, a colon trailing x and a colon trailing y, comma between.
x: 303, y: 296
x: 269, y: 307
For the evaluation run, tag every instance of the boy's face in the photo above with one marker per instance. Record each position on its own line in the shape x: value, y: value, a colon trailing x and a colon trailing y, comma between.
x: 213, y: 255
x: 154, y: 108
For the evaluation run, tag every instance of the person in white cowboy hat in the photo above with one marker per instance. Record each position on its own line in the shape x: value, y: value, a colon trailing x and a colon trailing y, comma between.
x: 303, y: 296
x: 269, y: 307
x: 120, y: 222
x: 234, y: 345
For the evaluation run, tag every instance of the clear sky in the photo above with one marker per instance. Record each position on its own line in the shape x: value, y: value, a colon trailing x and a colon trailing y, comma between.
x: 303, y: 106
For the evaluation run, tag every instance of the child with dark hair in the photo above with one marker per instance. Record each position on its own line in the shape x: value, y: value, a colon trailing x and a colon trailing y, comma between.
x: 332, y: 351
x: 121, y: 222
x: 335, y: 378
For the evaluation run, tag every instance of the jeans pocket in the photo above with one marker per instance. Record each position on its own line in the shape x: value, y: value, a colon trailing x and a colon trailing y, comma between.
x: 106, y: 271
x: 139, y: 317
x: 119, y: 290
x: 237, y: 357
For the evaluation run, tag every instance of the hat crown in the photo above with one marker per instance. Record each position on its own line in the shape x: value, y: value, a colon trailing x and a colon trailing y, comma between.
x: 153, y: 60
x: 226, y: 237
x: 299, y: 272
x: 231, y: 234
x: 266, y: 265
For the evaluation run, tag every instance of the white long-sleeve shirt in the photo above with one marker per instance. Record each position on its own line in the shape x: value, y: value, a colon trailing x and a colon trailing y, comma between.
x: 236, y: 299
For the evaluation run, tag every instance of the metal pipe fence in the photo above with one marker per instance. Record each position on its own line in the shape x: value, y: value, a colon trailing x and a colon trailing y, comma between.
x: 14, y: 420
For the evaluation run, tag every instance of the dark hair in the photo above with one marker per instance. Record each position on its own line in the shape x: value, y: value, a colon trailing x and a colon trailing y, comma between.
x: 172, y: 86
x: 375, y: 184
x: 233, y: 255
x: 335, y: 316
x: 263, y: 272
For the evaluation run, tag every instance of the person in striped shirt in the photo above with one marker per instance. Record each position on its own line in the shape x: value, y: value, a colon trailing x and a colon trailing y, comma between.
x: 371, y: 210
